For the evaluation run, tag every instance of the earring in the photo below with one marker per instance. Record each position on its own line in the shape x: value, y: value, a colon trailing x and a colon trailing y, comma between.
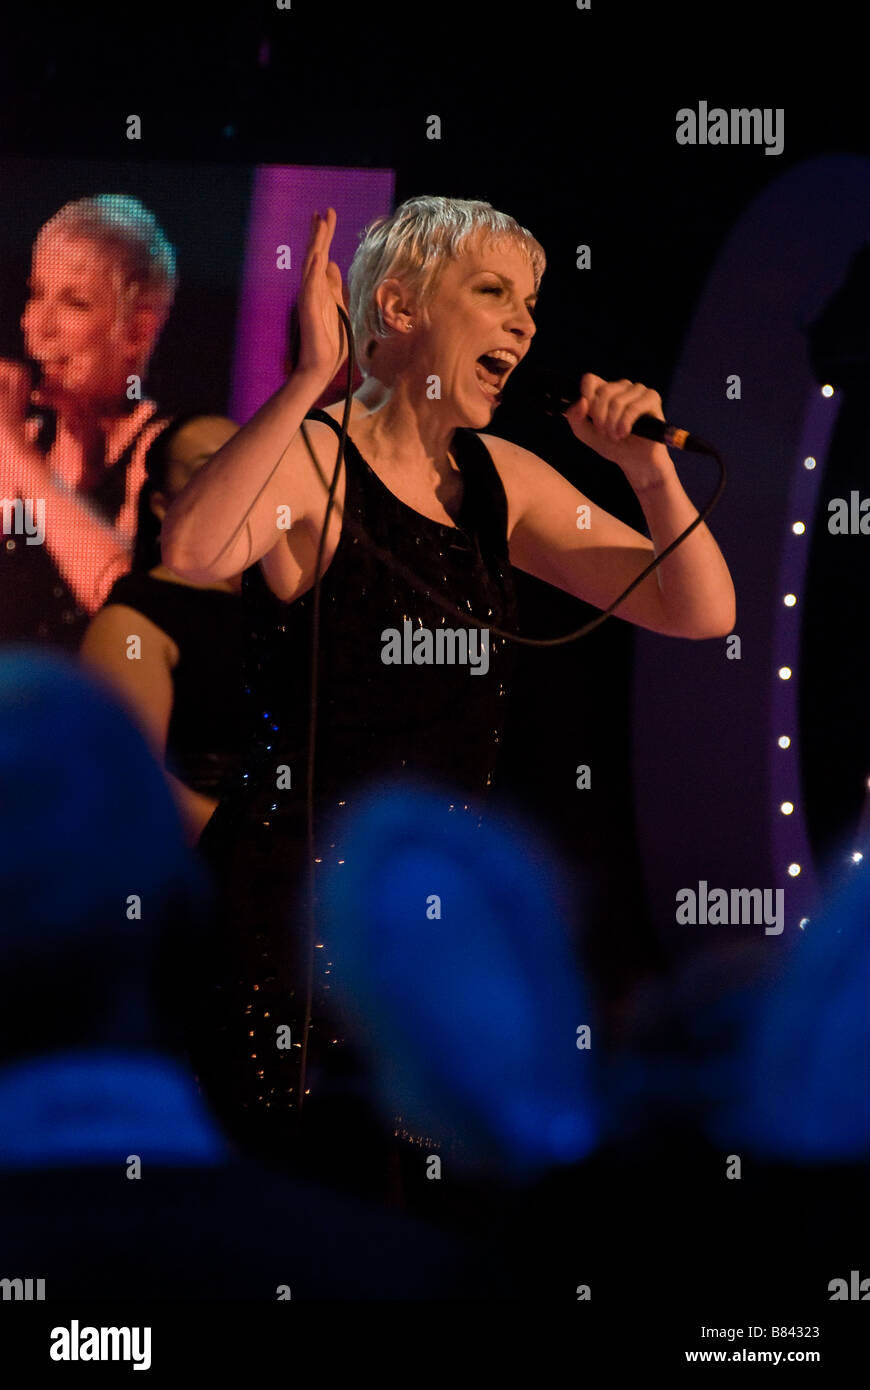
x: 408, y: 327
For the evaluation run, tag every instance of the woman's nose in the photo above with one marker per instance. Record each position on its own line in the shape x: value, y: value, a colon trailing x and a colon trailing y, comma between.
x: 39, y: 323
x: 523, y: 326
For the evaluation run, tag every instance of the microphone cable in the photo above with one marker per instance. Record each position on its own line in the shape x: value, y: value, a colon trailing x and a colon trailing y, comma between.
x: 468, y: 620
x: 311, y: 921
x: 420, y: 587
x: 440, y: 600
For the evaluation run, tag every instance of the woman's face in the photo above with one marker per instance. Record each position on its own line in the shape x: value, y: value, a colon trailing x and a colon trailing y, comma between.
x: 68, y: 321
x: 482, y: 304
x: 190, y: 449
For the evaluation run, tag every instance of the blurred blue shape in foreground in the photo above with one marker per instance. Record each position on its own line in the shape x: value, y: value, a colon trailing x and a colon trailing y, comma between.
x: 472, y: 1016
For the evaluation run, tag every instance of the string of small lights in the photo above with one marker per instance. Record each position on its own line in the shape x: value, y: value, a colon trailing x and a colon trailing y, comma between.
x: 790, y: 837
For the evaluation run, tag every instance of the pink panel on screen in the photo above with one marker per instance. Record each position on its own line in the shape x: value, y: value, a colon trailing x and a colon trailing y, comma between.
x: 282, y: 202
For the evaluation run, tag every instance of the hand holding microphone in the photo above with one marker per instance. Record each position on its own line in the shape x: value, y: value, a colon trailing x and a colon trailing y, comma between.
x: 15, y: 388
x: 23, y: 470
x: 604, y: 415
x: 602, y: 418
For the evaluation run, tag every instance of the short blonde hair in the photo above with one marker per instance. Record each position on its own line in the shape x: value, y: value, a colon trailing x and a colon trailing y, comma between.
x: 413, y: 245
x: 144, y: 275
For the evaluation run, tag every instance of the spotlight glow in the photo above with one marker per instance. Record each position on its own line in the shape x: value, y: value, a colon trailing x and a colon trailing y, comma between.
x: 794, y: 870
x: 785, y: 673
x: 790, y: 600
x: 799, y: 528
x: 787, y: 807
x: 784, y: 741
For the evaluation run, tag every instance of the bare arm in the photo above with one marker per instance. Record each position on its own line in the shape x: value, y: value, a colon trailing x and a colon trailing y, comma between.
x: 242, y: 481
x: 559, y: 536
x: 88, y: 551
x: 689, y: 595
x: 144, y: 686
x: 227, y: 518
x: 196, y: 808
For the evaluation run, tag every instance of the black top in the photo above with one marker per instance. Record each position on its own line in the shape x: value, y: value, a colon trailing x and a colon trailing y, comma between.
x: 437, y: 721
x: 36, y: 602
x: 206, y: 729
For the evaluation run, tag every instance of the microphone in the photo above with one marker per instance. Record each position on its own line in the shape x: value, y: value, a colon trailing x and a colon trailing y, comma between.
x: 554, y: 392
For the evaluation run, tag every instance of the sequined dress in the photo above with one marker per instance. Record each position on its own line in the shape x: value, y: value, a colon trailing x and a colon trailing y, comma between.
x: 440, y: 722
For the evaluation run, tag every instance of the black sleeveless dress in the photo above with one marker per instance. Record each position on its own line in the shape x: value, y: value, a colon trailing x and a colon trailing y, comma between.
x: 204, y: 741
x: 36, y: 601
x: 440, y: 722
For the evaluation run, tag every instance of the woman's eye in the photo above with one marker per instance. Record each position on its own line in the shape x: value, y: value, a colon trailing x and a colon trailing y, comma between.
x: 491, y: 289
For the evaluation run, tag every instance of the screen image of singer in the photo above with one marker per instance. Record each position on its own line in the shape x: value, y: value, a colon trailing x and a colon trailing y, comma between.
x: 110, y: 273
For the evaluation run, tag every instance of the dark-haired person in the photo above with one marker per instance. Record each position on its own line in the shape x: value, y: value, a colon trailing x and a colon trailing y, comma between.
x: 442, y: 300
x: 72, y: 446
x: 183, y: 679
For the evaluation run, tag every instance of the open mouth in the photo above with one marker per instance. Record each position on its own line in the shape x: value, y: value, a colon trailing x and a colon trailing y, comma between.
x: 492, y: 372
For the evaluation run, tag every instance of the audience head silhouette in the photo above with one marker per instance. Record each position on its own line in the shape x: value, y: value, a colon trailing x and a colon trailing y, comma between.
x: 102, y: 901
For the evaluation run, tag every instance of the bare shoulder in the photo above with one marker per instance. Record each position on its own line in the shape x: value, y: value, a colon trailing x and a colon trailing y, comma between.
x: 512, y: 459
x: 110, y: 628
x: 336, y: 413
x: 288, y: 566
x: 318, y: 429
x: 323, y: 441
x: 523, y: 474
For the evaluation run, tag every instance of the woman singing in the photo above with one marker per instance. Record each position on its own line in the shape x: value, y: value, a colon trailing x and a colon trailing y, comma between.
x: 442, y: 298
x: 102, y: 283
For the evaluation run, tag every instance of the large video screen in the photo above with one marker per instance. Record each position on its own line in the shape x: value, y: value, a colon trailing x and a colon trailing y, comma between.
x: 131, y: 295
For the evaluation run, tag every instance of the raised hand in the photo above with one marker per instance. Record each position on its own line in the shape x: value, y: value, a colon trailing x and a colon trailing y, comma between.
x: 323, y: 340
